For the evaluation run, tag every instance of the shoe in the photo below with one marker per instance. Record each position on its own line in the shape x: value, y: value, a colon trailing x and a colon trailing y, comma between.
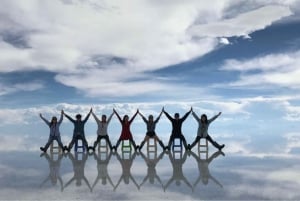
x: 91, y: 148
x: 43, y: 149
x: 221, y: 147
x: 114, y: 148
x: 137, y: 148
x: 189, y: 147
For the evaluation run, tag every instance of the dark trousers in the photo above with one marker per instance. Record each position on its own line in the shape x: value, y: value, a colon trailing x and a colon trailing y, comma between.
x: 78, y: 137
x: 102, y: 137
x: 181, y: 137
x: 214, y: 143
x: 51, y: 139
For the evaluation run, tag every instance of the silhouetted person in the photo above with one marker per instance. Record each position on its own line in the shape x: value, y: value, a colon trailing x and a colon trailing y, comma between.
x: 78, y: 167
x: 176, y: 128
x: 54, y: 170
x: 54, y: 131
x: 151, y: 171
x: 78, y: 132
x: 202, y: 132
x: 151, y: 124
x: 102, y: 130
x: 126, y: 170
x: 102, y: 170
x: 125, y: 133
x: 178, y: 175
x: 204, y: 173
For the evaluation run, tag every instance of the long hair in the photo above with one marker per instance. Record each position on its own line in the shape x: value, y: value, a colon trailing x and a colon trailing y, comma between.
x: 54, y: 118
x: 205, y: 118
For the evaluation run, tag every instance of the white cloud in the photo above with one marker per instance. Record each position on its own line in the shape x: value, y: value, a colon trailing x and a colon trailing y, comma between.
x: 274, y: 69
x: 242, y: 24
x: 65, y: 38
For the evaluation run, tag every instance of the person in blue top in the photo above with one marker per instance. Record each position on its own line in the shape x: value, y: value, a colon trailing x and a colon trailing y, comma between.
x: 78, y: 132
x: 176, y: 128
x: 203, y: 124
x: 54, y: 131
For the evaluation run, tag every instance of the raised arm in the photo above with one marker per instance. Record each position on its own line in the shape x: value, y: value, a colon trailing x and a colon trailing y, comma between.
x: 132, y: 118
x: 186, y: 115
x: 61, y: 117
x: 118, y: 115
x: 68, y: 117
x: 157, y: 119
x: 167, y: 115
x: 214, y: 118
x: 109, y: 118
x: 87, y: 116
x: 95, y: 117
x: 45, y: 120
x: 195, y: 116
x: 143, y: 117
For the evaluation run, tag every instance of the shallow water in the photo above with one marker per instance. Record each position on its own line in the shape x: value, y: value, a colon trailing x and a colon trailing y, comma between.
x: 149, y: 176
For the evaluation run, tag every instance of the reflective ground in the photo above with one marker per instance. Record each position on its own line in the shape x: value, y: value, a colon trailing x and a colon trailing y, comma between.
x: 156, y: 175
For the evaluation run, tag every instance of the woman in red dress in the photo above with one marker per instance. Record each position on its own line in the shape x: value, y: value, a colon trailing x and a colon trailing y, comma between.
x: 125, y: 133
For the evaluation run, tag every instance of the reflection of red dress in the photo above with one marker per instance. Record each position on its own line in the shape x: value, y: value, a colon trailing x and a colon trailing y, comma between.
x: 126, y: 133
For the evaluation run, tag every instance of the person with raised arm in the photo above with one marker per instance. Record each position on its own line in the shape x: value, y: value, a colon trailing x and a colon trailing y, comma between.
x: 151, y: 124
x: 125, y: 133
x: 78, y: 132
x: 102, y: 130
x: 203, y: 124
x: 176, y: 128
x: 54, y: 131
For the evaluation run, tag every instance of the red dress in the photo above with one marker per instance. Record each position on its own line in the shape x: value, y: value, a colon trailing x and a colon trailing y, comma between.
x: 126, y: 133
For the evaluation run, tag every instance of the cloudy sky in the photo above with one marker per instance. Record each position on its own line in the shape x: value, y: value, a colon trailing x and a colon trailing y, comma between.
x: 238, y: 57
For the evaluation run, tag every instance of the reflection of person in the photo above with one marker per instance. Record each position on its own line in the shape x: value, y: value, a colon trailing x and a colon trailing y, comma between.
x: 78, y: 132
x: 126, y: 170
x: 204, y: 174
x: 151, y: 171
x: 102, y: 170
x: 78, y: 168
x: 54, y: 168
x: 176, y: 128
x: 202, y: 130
x: 151, y: 130
x: 54, y: 131
x: 178, y: 175
x: 102, y: 130
x: 125, y: 133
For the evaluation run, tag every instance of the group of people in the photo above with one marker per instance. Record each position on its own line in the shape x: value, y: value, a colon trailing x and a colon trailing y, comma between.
x: 78, y: 132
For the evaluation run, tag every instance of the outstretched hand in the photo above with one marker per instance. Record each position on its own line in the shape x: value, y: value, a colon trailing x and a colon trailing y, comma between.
x: 220, y: 113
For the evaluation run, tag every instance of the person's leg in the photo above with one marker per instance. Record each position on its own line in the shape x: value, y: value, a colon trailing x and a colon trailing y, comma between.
x: 195, y: 142
x: 85, y: 143
x: 184, y: 141
x: 72, y: 143
x: 143, y: 142
x: 170, y: 142
x: 133, y: 143
x: 159, y: 141
x: 50, y: 140
x: 60, y: 144
x: 214, y: 143
x: 96, y: 142
x: 106, y: 137
x: 118, y: 142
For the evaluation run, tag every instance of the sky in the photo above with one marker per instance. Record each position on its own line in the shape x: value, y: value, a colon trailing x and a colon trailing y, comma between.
x: 238, y: 57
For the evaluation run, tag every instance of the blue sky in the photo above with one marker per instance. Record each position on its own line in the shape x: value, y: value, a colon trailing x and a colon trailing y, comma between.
x: 238, y: 57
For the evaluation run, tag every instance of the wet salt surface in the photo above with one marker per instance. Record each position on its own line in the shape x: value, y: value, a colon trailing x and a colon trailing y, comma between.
x: 160, y: 176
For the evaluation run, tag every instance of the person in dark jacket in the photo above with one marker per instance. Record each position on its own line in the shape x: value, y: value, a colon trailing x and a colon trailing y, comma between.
x: 176, y: 128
